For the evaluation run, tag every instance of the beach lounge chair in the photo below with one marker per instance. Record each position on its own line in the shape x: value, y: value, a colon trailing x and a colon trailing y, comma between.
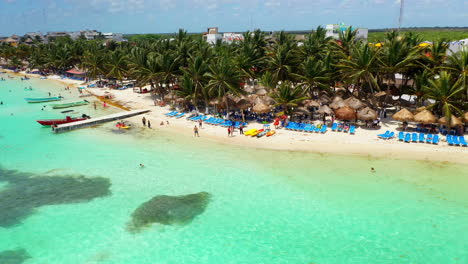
x: 324, y: 129
x: 421, y: 137
x: 449, y: 140
x: 340, y: 127
x: 346, y: 129
x: 462, y: 141
x: 306, y: 128
x: 391, y: 135
x: 352, y: 130
x: 317, y: 129
x: 456, y: 141
x: 195, y: 118
x: 171, y: 113
x: 435, y: 140
x: 384, y: 135
x: 311, y: 129
x: 334, y: 127
x: 429, y: 138
x: 289, y: 125
x: 414, y: 137
x: 179, y: 115
x: 401, y: 136
x: 408, y: 137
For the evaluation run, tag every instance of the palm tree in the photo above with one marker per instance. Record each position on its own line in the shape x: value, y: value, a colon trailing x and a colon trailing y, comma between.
x: 187, y: 89
x: 446, y: 93
x: 313, y: 75
x: 197, y: 71
x: 360, y: 67
x: 288, y: 96
x: 281, y: 61
x: 457, y: 63
x: 223, y: 81
x: 116, y: 65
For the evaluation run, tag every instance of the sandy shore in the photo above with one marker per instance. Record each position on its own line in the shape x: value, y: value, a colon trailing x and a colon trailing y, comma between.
x: 363, y: 143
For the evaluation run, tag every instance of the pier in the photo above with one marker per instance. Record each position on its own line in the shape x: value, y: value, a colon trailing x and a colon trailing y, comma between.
x: 97, y: 120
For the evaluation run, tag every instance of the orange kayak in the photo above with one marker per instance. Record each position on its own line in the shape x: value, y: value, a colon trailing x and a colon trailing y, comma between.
x: 271, y: 133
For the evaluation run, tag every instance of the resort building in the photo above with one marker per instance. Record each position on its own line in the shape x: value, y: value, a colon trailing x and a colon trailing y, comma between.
x: 118, y: 37
x: 232, y: 37
x: 38, y: 36
x: 333, y: 31
x: 456, y: 46
x: 56, y: 34
x: 13, y: 40
x: 212, y: 36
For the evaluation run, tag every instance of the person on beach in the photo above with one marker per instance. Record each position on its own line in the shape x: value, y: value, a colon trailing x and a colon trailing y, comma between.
x: 95, y: 106
x: 241, y: 129
x: 195, y: 132
x: 143, y: 120
x: 229, y: 131
x: 149, y: 124
x: 104, y: 104
x: 167, y: 122
x: 200, y: 123
x: 162, y: 123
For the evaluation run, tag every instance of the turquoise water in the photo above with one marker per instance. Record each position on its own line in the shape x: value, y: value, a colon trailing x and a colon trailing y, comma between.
x: 265, y: 207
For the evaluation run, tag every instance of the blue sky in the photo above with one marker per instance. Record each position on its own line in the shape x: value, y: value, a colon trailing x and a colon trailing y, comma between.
x: 153, y: 16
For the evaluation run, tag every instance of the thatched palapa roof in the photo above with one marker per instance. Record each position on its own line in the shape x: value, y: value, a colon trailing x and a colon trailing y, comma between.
x: 324, y: 109
x: 454, y: 121
x: 311, y: 103
x: 337, y: 102
x: 261, y: 108
x: 354, y: 103
x: 367, y: 114
x: 403, y: 115
x: 465, y: 117
x: 425, y: 117
x: 345, y: 113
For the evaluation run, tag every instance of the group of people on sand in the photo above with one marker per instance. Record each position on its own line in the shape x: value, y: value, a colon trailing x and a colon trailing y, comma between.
x: 147, y: 122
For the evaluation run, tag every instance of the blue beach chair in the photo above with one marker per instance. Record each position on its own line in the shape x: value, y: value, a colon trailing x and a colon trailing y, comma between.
x: 324, y: 129
x: 462, y: 141
x: 401, y: 136
x: 334, y: 126
x: 421, y: 137
x: 171, y: 113
x: 449, y: 140
x: 435, y: 140
x: 311, y: 129
x: 340, y: 127
x: 429, y: 138
x: 408, y: 137
x: 179, y: 115
x: 352, y: 130
x: 391, y: 135
x: 384, y: 135
x: 414, y: 137
x: 456, y: 141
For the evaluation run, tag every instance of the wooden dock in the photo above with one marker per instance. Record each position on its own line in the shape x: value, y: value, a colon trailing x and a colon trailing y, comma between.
x: 97, y: 120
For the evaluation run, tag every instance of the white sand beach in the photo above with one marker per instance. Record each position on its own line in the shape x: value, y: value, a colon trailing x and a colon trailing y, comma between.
x: 365, y: 141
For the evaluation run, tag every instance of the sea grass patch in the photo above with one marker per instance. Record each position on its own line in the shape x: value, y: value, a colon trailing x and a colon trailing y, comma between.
x: 16, y: 256
x: 25, y: 192
x: 168, y: 210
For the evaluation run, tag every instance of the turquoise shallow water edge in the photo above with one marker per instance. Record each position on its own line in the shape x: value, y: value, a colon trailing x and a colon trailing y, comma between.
x: 266, y: 206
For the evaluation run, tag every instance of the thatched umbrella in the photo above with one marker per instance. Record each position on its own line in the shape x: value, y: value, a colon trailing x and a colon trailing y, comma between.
x: 243, y: 104
x: 354, y: 103
x: 367, y: 114
x: 465, y: 117
x: 324, y: 109
x: 324, y: 99
x: 425, y: 117
x: 454, y: 121
x: 311, y: 103
x: 261, y: 92
x: 419, y: 109
x: 337, y: 103
x: 345, y: 113
x: 248, y: 89
x: 403, y: 115
x: 261, y: 108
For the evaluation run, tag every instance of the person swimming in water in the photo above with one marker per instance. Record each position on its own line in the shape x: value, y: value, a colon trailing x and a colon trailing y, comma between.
x: 141, y: 165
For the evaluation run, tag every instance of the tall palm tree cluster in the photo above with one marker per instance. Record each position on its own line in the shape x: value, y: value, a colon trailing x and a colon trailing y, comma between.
x: 290, y: 71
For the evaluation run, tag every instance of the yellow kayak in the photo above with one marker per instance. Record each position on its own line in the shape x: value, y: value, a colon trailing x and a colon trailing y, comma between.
x: 256, y: 132
x: 126, y: 127
x: 249, y: 132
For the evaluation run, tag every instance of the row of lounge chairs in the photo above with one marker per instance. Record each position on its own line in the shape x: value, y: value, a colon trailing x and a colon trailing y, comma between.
x: 387, y: 135
x: 217, y: 121
x: 175, y: 114
x: 456, y: 141
x: 340, y: 127
x: 418, y: 137
x: 306, y: 127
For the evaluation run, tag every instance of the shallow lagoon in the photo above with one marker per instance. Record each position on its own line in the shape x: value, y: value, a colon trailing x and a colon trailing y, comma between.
x: 265, y: 206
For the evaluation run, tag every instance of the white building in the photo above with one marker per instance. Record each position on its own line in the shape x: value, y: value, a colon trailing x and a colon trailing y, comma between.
x: 456, y: 46
x: 333, y: 31
x: 212, y: 36
x: 118, y: 37
x: 232, y: 37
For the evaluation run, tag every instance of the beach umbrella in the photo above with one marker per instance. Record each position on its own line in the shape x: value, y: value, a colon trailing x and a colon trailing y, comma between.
x: 324, y: 109
x: 337, y: 102
x: 261, y: 108
x: 403, y: 115
x: 243, y: 104
x: 367, y: 114
x: 425, y: 117
x: 345, y: 113
x: 465, y: 116
x: 311, y: 103
x: 324, y: 99
x: 261, y: 92
x: 354, y: 103
x: 454, y: 121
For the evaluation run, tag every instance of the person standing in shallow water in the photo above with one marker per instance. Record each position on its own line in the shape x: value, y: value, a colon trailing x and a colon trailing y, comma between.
x: 149, y: 124
x: 143, y: 120
x: 195, y: 132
